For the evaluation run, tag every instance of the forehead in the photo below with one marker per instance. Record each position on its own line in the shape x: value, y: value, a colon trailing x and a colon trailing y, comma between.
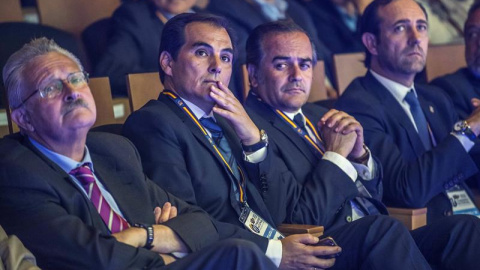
x: 474, y: 19
x: 200, y: 32
x: 401, y: 10
x: 52, y: 64
x: 293, y: 44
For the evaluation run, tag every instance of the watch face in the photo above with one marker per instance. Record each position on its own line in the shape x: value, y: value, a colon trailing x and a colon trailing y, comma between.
x: 459, y: 126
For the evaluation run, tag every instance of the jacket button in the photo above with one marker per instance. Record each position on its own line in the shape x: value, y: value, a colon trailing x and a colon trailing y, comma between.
x: 349, y: 219
x: 446, y: 186
x: 460, y: 176
x: 447, y: 213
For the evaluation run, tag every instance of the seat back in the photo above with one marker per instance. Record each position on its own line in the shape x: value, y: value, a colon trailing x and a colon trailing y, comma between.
x: 102, y: 94
x: 74, y: 15
x: 4, y: 130
x: 10, y: 11
x: 143, y: 87
x: 347, y: 67
x: 444, y: 59
x: 318, y: 90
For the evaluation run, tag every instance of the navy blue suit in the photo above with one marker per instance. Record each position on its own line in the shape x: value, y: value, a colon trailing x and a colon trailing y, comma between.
x: 413, y: 177
x: 177, y: 156
x: 315, y: 181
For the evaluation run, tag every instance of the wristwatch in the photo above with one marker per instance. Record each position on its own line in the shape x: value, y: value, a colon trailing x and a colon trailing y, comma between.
x: 149, y: 229
x: 259, y: 145
x: 462, y: 128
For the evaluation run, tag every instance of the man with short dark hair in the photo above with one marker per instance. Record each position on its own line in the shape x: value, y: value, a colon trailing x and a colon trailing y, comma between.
x: 81, y: 201
x: 280, y: 77
x: 410, y: 127
x: 198, y: 141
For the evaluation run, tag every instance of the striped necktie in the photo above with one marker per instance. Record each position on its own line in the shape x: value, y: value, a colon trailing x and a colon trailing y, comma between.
x: 114, y: 221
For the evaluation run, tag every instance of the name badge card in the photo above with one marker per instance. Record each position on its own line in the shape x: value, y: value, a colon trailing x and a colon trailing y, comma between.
x: 258, y: 225
x: 461, y: 202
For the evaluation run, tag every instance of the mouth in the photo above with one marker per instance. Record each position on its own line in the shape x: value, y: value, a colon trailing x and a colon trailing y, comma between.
x: 210, y: 81
x: 294, y: 90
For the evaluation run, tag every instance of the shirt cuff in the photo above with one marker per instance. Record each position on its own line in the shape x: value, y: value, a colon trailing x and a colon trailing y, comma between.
x: 366, y: 172
x: 274, y: 251
x: 466, y: 142
x: 344, y: 164
x: 257, y: 156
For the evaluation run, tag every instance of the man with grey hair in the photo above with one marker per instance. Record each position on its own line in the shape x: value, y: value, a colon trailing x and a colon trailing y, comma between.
x: 80, y: 200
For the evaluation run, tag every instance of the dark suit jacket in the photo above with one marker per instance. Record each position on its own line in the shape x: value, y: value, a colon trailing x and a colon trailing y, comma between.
x: 317, y: 183
x: 42, y: 206
x: 413, y: 177
x: 177, y: 156
x: 133, y: 47
x: 331, y: 29
x: 461, y: 86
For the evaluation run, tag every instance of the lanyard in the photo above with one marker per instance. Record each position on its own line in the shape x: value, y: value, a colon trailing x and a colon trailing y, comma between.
x: 302, y: 133
x: 241, y: 184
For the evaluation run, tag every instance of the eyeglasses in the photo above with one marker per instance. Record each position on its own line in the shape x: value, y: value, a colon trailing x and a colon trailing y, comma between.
x: 54, y: 88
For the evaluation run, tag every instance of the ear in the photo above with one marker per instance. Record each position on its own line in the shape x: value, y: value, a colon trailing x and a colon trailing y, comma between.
x: 370, y: 42
x: 252, y: 75
x: 166, y: 61
x: 21, y: 117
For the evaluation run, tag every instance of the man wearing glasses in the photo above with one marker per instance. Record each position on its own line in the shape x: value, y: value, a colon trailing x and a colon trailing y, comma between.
x: 81, y: 201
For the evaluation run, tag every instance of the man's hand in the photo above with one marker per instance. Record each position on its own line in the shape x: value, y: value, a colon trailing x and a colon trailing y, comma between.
x: 228, y: 106
x: 474, y: 118
x: 342, y: 134
x: 164, y: 214
x: 298, y: 252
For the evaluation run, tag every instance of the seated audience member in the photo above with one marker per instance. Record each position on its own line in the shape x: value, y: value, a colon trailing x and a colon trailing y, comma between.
x: 463, y: 86
x: 410, y: 127
x: 336, y: 24
x: 81, y: 201
x: 198, y: 141
x: 137, y: 27
x: 245, y: 15
x: 14, y: 254
x: 280, y: 63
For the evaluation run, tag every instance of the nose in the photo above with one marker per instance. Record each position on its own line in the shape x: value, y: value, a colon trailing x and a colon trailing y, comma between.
x: 71, y: 93
x: 295, y: 74
x: 414, y: 38
x: 215, y: 67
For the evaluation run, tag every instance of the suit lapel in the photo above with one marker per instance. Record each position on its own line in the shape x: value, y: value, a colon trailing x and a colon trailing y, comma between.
x: 395, y: 110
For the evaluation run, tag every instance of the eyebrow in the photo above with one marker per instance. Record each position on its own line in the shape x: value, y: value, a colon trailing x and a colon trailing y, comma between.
x: 276, y: 58
x: 408, y: 21
x: 204, y: 44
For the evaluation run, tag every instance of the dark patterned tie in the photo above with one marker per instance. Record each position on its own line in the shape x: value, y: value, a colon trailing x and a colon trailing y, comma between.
x: 419, y: 118
x: 222, y: 143
x: 113, y: 220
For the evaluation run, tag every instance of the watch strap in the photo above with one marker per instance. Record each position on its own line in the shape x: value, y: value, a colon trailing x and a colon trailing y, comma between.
x: 149, y: 229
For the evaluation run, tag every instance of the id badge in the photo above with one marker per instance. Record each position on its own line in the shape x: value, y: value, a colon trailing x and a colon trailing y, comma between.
x: 461, y: 202
x: 258, y: 225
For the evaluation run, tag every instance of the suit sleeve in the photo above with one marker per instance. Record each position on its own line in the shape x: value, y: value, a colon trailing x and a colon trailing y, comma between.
x: 59, y: 239
x: 169, y: 169
x: 409, y: 181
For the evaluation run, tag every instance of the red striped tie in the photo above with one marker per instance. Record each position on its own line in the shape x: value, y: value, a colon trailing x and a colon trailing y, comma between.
x: 113, y: 220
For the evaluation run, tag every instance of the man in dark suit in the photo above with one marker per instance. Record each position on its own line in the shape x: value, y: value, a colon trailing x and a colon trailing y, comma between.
x: 182, y: 150
x: 464, y: 85
x: 81, y: 201
x: 410, y: 128
x: 280, y: 64
x: 136, y: 27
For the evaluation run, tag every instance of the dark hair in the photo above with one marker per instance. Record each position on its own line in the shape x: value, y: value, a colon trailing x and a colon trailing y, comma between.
x: 173, y: 34
x: 471, y: 10
x: 254, y: 42
x: 370, y: 22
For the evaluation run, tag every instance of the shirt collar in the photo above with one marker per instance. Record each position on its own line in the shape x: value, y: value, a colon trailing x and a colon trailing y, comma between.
x: 292, y: 115
x: 199, y: 113
x: 398, y: 90
x: 67, y: 164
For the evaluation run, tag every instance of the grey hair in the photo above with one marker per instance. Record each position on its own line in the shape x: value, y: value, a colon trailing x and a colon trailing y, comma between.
x: 13, y: 71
